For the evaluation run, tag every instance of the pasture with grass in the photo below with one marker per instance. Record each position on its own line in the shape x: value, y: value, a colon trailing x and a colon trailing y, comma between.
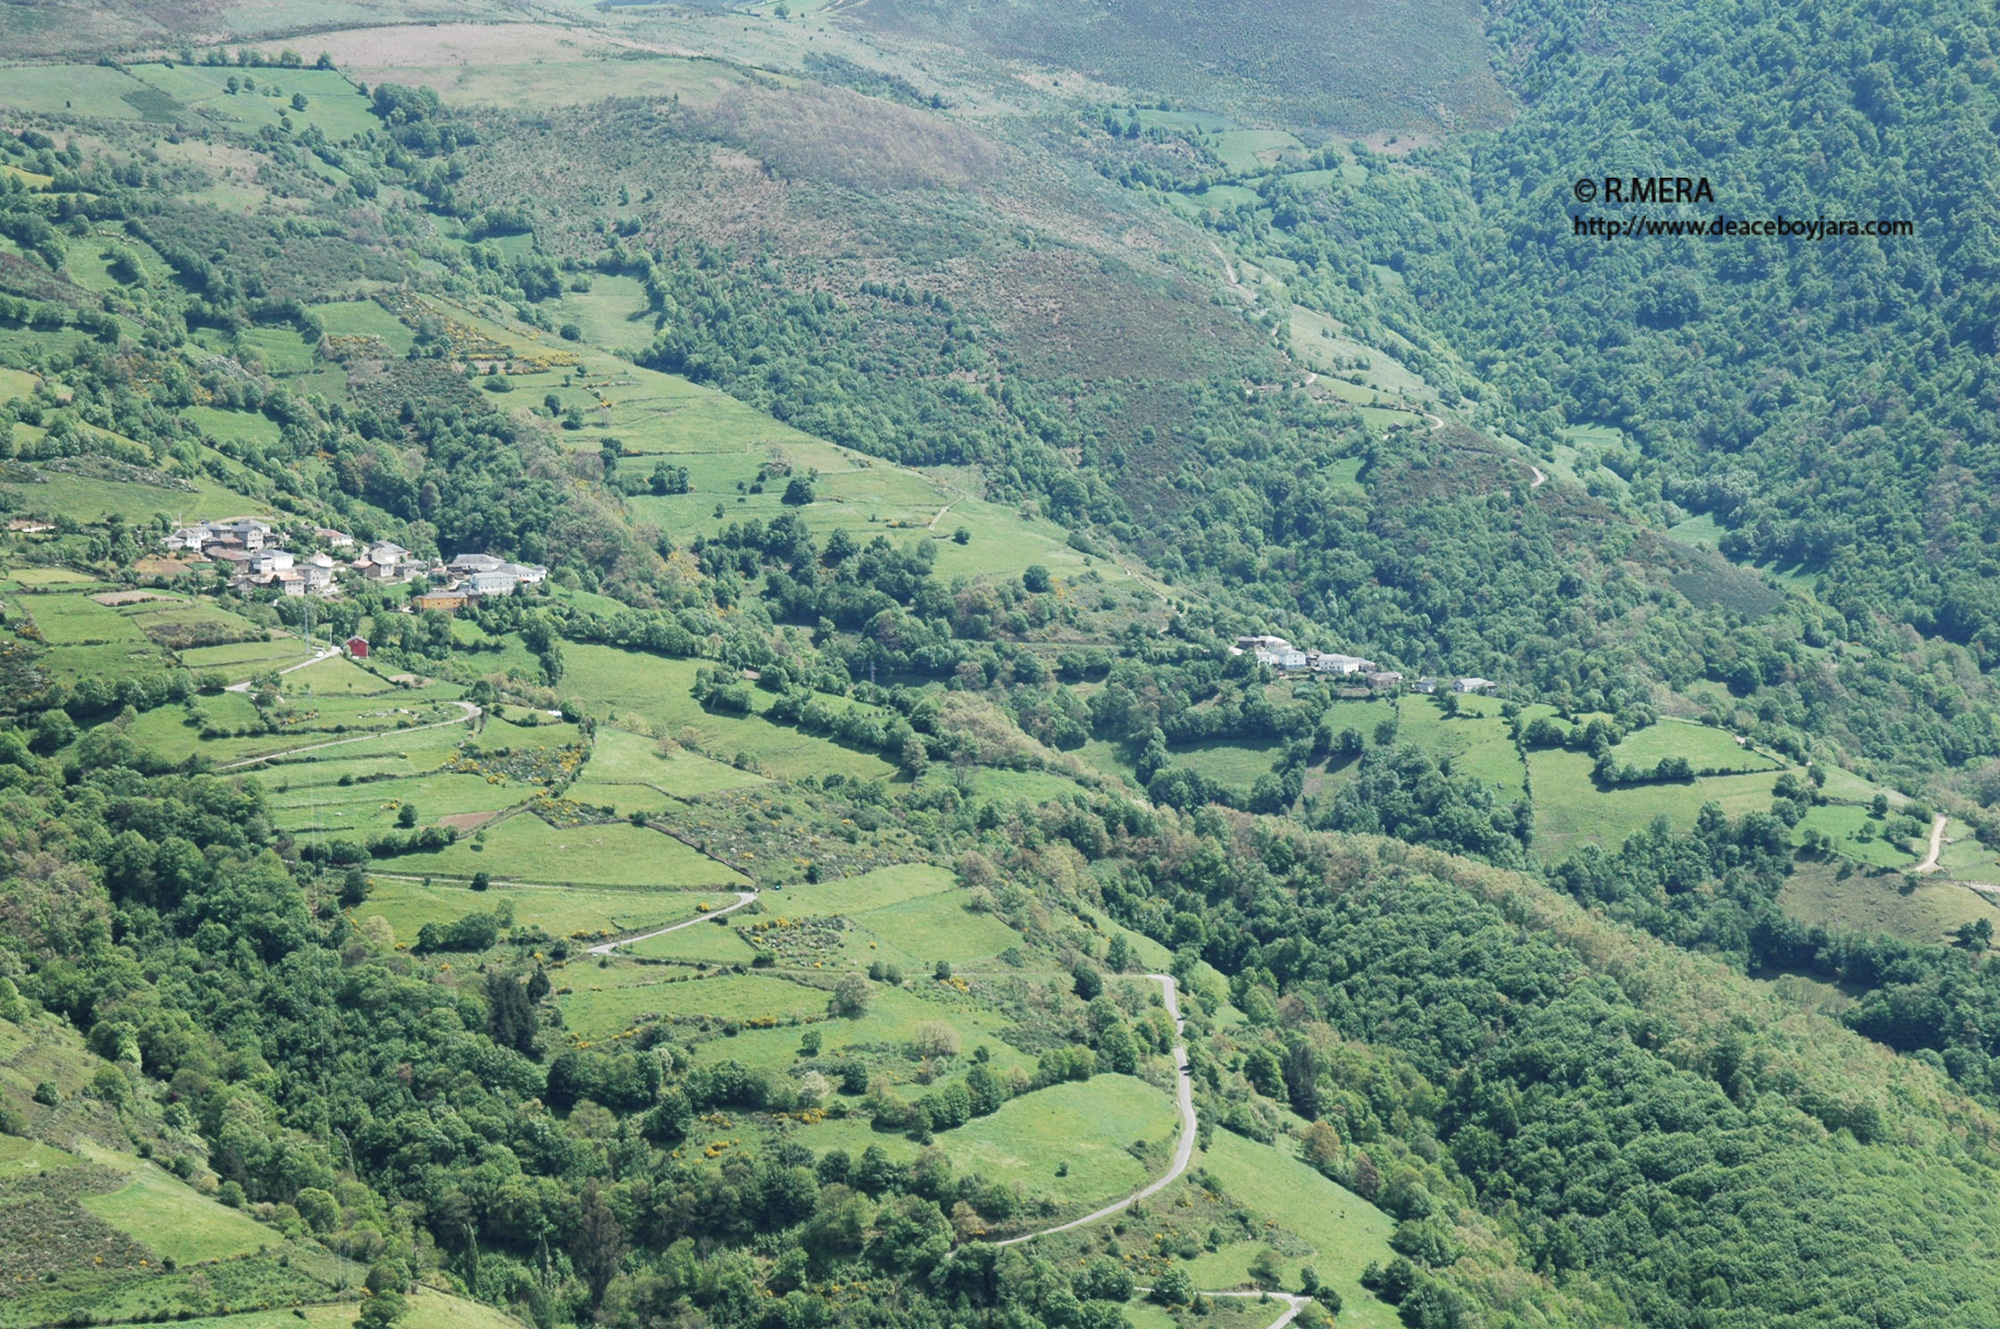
x: 890, y: 420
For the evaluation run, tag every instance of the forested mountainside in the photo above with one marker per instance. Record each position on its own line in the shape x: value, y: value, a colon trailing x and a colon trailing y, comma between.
x: 1010, y: 666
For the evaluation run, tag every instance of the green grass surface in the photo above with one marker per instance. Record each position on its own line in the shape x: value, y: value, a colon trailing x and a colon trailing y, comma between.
x: 336, y: 676
x: 718, y: 943
x: 1846, y: 824
x: 937, y: 927
x: 1859, y: 900
x: 1477, y: 740
x: 879, y: 889
x: 1086, y: 1125
x: 332, y: 103
x: 604, y: 1002
x: 240, y: 660
x: 622, y: 765
x: 92, y: 500
x: 1705, y: 748
x: 158, y: 1210
x: 1346, y: 1231
x: 407, y: 905
x: 1703, y: 530
x: 612, y: 313
x: 525, y: 848
x: 1570, y: 810
x: 425, y: 1309
x: 372, y: 808
x: 233, y: 426
x: 365, y: 318
x: 1234, y: 764
x: 882, y: 1035
x: 1251, y: 151
x: 82, y: 90
x: 659, y: 690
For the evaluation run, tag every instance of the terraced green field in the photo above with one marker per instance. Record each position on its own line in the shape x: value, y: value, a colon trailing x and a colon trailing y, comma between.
x: 526, y: 848
x: 1571, y: 811
x: 576, y: 913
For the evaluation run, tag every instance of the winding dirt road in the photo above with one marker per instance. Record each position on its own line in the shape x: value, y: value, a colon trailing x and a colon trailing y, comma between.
x: 471, y: 713
x: 742, y: 898
x: 1183, y: 1149
x: 1930, y: 863
x: 327, y: 654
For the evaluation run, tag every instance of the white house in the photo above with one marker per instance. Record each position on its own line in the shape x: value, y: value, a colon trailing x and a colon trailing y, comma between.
x: 1470, y: 685
x: 1326, y: 662
x: 1284, y: 657
x: 490, y: 583
x: 270, y: 560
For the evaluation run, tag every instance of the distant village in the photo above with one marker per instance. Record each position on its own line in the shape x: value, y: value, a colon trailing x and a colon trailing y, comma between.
x: 254, y: 551
x: 1287, y: 658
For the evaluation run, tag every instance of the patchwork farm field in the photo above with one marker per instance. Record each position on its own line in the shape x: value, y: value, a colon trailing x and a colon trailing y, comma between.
x: 577, y: 913
x: 526, y: 848
x: 1570, y: 810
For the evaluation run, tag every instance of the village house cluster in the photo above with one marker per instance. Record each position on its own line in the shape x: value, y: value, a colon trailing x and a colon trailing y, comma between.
x: 1287, y: 658
x: 256, y: 555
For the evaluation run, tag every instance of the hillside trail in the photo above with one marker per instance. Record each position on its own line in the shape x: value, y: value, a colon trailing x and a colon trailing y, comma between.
x: 326, y: 654
x: 742, y: 898
x: 1183, y: 1102
x: 1183, y: 1155
x: 1930, y: 863
x: 471, y: 713
x: 1539, y: 479
x: 1183, y: 1148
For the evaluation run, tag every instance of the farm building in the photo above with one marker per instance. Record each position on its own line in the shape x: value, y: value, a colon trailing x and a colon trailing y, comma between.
x: 1328, y: 662
x: 357, y: 647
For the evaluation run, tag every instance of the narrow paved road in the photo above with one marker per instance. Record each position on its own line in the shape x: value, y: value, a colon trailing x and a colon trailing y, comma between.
x: 742, y: 898
x: 1183, y: 1150
x: 244, y: 686
x: 1183, y: 1155
x: 1930, y: 863
x: 471, y: 712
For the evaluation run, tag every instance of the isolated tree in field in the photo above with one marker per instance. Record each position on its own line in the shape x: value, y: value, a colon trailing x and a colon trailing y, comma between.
x: 914, y: 758
x: 934, y: 1038
x: 1037, y: 579
x: 851, y: 996
x: 798, y: 492
x: 1174, y: 1287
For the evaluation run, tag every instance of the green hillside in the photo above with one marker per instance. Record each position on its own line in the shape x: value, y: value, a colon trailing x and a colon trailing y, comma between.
x: 1128, y: 685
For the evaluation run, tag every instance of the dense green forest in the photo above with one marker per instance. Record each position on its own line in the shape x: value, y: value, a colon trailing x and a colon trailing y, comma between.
x: 858, y: 869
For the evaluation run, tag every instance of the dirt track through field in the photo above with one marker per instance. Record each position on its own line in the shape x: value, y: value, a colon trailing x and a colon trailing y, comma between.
x: 471, y: 713
x: 1183, y: 1155
x: 1930, y: 863
x: 742, y: 898
x: 1183, y: 1149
